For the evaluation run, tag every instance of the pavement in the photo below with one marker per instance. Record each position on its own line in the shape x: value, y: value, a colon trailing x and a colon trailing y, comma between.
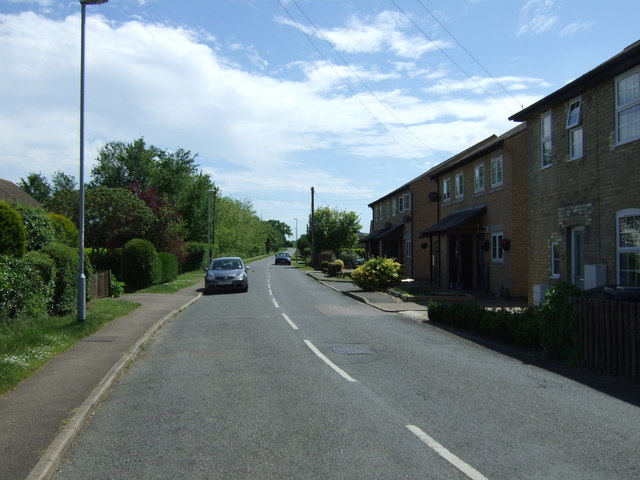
x: 42, y: 416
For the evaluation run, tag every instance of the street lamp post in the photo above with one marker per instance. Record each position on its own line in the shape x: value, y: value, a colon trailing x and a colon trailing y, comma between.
x: 296, y: 239
x: 82, y: 285
x: 209, y: 220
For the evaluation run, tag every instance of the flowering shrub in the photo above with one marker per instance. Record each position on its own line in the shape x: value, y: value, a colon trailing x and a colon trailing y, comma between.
x: 379, y: 273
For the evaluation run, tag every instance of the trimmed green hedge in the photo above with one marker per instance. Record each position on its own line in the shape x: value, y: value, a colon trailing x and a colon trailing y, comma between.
x: 13, y: 236
x: 379, y: 273
x: 139, y: 263
x: 197, y: 256
x: 169, y: 267
x: 37, y: 225
x: 65, y: 294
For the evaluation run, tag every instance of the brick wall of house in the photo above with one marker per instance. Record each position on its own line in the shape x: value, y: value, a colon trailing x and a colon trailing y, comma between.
x: 586, y: 192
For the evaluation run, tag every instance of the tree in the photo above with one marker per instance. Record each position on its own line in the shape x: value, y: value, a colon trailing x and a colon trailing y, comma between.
x: 37, y: 186
x: 113, y: 216
x: 61, y: 181
x: 119, y: 165
x: 334, y: 229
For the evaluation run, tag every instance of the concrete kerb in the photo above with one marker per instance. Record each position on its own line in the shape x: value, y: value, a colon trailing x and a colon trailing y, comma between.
x: 52, y: 457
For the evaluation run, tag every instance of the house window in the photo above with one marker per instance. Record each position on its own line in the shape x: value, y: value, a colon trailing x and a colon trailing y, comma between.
x: 629, y: 247
x: 478, y: 178
x: 555, y: 260
x: 496, y: 249
x: 575, y: 143
x: 574, y: 114
x: 394, y: 206
x: 628, y: 107
x: 387, y: 210
x: 446, y: 190
x: 404, y: 202
x: 407, y: 247
x: 545, y: 139
x: 496, y: 171
x: 459, y: 186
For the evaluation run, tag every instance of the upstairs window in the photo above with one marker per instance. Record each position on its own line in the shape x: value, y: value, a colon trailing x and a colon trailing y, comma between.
x: 446, y: 190
x: 628, y: 107
x: 478, y: 178
x: 496, y: 171
x: 574, y: 114
x: 459, y: 186
x: 404, y: 202
x: 545, y: 139
x: 555, y: 260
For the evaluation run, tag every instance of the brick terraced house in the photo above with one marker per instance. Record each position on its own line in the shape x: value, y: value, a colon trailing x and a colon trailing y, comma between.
x: 583, y: 188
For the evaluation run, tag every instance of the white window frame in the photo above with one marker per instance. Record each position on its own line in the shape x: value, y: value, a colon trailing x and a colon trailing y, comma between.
x: 404, y: 201
x: 446, y: 190
x: 459, y: 185
x: 497, y: 171
x: 497, y: 254
x: 628, y: 105
x: 478, y: 178
x: 576, y: 143
x: 554, y: 253
x: 626, y: 249
x: 546, y: 144
x: 394, y: 207
x: 408, y: 247
x: 574, y: 113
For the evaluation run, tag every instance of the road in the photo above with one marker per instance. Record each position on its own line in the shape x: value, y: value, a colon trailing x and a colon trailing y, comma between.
x: 294, y: 380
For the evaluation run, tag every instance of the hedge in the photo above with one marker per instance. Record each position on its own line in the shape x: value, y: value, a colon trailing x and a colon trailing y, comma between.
x: 66, y: 288
x: 13, y: 236
x: 37, y: 225
x: 197, y: 256
x: 139, y: 263
x: 169, y: 267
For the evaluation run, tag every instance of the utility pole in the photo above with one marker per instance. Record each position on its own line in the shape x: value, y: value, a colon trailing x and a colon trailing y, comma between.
x: 313, y: 231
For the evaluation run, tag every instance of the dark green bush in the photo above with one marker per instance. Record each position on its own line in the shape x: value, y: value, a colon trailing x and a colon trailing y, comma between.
x: 12, y: 232
x: 169, y: 267
x: 107, y: 260
x: 64, y: 230
x: 335, y: 268
x: 37, y: 225
x: 197, y: 256
x: 324, y: 266
x: 66, y: 287
x: 139, y: 263
x: 349, y: 257
x: 559, y: 326
x: 519, y: 327
x: 14, y: 288
x: 42, y: 271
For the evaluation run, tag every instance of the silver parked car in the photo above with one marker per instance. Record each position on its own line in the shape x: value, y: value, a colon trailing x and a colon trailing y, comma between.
x: 227, y: 273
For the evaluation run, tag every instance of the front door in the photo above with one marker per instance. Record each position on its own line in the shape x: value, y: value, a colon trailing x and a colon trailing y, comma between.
x: 577, y: 257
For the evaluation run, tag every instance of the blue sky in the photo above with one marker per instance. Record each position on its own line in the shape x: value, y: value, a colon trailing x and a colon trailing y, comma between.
x: 351, y: 97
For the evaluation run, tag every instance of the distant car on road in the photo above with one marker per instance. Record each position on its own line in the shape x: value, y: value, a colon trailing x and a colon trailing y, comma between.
x: 283, y: 258
x: 226, y: 273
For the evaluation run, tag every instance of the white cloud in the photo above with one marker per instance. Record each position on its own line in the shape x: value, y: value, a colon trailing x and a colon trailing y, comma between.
x: 576, y: 27
x: 537, y: 17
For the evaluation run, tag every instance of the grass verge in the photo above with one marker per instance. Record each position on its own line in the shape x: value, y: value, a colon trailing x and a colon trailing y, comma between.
x: 28, y: 344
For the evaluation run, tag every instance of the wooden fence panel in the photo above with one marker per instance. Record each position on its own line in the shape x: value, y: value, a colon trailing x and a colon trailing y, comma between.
x: 101, y: 285
x: 610, y: 332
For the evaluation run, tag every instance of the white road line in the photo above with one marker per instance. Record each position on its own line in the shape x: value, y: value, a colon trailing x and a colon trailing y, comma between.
x: 464, y: 467
x: 289, y: 321
x: 275, y: 303
x: 338, y: 370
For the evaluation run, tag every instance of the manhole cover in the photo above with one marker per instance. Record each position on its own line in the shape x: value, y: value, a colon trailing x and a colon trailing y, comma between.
x: 357, y: 349
x: 99, y: 338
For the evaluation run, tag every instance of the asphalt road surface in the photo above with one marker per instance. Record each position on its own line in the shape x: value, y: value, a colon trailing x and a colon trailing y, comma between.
x: 293, y: 380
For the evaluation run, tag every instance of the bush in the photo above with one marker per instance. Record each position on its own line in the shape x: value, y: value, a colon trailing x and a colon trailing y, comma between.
x: 37, y: 225
x: 349, y: 257
x: 334, y: 268
x: 108, y: 260
x: 12, y: 232
x: 197, y: 257
x: 117, y: 288
x: 139, y: 263
x: 168, y: 263
x: 65, y: 293
x: 559, y: 327
x: 64, y: 230
x: 14, y: 288
x: 42, y: 271
x: 379, y: 273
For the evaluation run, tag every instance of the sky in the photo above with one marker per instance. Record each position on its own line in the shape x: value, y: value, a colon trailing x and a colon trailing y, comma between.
x: 351, y: 97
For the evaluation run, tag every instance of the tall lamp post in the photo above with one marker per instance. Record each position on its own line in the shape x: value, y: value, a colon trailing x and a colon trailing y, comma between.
x: 82, y: 285
x: 296, y: 239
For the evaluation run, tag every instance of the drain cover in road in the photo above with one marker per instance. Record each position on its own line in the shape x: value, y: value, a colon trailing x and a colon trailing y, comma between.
x: 352, y: 349
x: 99, y: 338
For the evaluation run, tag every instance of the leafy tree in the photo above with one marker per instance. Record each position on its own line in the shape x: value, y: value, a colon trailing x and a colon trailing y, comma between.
x: 119, y: 165
x: 37, y: 186
x: 61, y: 181
x: 113, y: 216
x: 334, y: 229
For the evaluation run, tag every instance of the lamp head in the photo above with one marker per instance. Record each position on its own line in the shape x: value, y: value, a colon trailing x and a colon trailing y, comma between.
x: 93, y: 2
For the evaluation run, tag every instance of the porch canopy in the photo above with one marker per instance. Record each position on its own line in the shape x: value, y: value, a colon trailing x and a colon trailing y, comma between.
x: 381, y: 233
x: 453, y: 221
